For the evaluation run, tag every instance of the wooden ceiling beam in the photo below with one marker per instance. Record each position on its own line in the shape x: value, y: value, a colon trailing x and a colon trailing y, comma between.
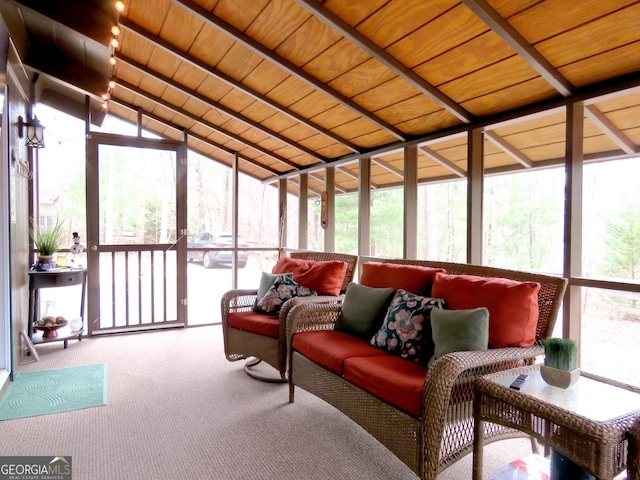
x: 509, y: 149
x: 256, y: 47
x: 448, y: 164
x: 517, y: 42
x: 195, y: 118
x: 213, y: 104
x: 609, y: 129
x: 388, y: 167
x: 190, y: 59
x: 393, y: 64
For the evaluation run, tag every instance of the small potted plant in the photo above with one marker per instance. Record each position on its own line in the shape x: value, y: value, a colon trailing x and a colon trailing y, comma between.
x: 47, y: 241
x: 560, y: 358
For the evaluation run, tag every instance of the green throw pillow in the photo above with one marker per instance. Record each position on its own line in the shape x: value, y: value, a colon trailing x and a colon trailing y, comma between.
x: 363, y: 310
x: 459, y: 330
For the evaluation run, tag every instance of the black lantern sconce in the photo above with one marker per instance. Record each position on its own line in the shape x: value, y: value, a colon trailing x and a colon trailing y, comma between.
x: 34, y: 132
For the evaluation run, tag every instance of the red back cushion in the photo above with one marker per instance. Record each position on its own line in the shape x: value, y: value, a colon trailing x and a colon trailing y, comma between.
x: 412, y: 278
x: 512, y: 305
x: 326, y: 278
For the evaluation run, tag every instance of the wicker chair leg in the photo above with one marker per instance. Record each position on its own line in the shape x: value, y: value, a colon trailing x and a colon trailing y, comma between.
x: 252, y: 362
x: 292, y: 389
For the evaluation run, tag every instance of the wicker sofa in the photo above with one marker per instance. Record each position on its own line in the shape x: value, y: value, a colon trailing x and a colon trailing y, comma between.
x: 262, y: 337
x: 441, y: 430
x: 633, y: 458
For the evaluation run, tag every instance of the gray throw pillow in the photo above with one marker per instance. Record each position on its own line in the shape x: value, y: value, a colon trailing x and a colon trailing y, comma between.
x: 459, y: 330
x: 363, y: 310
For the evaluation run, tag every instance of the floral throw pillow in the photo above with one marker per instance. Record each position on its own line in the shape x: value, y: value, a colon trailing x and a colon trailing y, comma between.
x: 406, y: 330
x: 283, y: 289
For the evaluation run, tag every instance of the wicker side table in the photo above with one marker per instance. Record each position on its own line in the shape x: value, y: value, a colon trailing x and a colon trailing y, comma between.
x: 587, y: 422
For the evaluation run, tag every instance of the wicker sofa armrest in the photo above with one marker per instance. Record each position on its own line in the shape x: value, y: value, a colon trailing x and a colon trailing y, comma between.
x: 237, y: 301
x: 310, y: 316
x: 449, y: 383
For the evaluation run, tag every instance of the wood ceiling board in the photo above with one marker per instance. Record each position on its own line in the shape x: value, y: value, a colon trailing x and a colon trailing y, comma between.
x: 373, y: 139
x: 134, y: 46
x: 211, y: 45
x: 511, y: 71
x: 353, y: 12
x: 149, y: 15
x: 434, y: 170
x: 277, y: 22
x: 543, y: 121
x: 456, y: 26
x: 258, y: 111
x: 507, y: 8
x: 239, y: 13
x: 396, y: 20
x: 540, y: 136
x: 238, y: 62
x: 237, y: 127
x: 619, y: 102
x: 619, y: 61
x: 129, y: 75
x: 312, y: 105
x: 626, y: 118
x: 164, y: 63
x: 189, y: 76
x: 290, y: 91
x: 598, y: 144
x: 333, y: 62
x: 175, y: 97
x: 196, y: 107
x: 417, y: 107
x: 337, y: 117
x: 280, y: 122
x: 634, y: 135
x: 123, y: 95
x: 180, y: 27
x: 498, y: 160
x: 331, y: 151
x: 613, y: 31
x: 238, y: 101
x: 446, y: 143
x: 254, y: 136
x: 546, y: 151
x: 429, y: 123
x: 216, y: 117
x: 152, y: 86
x: 307, y: 42
x: 385, y: 178
x: 293, y: 155
x: 265, y: 77
x: 299, y: 133
x: 554, y: 17
x: 469, y: 57
x: 214, y: 88
x: 200, y: 129
x: 363, y: 77
x: 518, y: 95
x: 388, y: 94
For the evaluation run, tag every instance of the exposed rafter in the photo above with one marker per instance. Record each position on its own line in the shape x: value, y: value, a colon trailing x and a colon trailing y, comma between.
x: 609, y: 129
x: 195, y: 118
x: 286, y: 65
x: 509, y: 149
x: 517, y: 42
x: 388, y: 167
x: 190, y: 59
x: 436, y: 157
x: 226, y: 110
x: 387, y: 60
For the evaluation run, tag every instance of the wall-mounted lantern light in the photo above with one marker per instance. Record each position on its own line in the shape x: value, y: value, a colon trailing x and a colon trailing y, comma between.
x: 33, y: 131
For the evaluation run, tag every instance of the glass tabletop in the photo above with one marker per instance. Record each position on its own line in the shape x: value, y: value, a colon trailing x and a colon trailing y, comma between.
x: 588, y: 397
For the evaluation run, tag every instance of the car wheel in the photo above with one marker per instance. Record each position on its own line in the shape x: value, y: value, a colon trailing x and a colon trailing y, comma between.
x: 207, y: 260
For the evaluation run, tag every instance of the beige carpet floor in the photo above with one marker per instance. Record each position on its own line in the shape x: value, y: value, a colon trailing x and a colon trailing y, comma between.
x: 176, y: 409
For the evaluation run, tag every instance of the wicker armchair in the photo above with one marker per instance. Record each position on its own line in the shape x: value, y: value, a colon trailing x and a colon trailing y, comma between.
x: 257, y: 347
x: 633, y: 457
x: 444, y: 432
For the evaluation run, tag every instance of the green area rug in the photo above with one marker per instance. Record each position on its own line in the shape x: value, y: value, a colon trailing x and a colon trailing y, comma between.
x: 53, y: 391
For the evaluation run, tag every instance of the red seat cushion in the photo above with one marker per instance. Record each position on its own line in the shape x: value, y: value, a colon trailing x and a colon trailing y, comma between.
x: 330, y: 348
x: 412, y: 278
x: 325, y: 278
x: 389, y: 378
x: 268, y: 325
x: 512, y: 305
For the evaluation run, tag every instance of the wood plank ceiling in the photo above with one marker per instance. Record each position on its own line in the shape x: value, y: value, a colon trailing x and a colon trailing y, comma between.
x: 290, y: 85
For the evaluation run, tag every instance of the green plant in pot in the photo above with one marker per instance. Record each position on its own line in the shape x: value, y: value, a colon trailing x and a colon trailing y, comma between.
x: 560, y: 359
x: 47, y: 241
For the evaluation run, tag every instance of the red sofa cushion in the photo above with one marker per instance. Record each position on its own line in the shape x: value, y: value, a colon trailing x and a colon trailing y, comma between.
x: 412, y: 278
x: 512, y: 305
x: 268, y: 325
x: 389, y: 378
x: 330, y: 348
x: 325, y: 278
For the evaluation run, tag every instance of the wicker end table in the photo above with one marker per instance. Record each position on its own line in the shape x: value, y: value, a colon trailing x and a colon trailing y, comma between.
x: 588, y: 422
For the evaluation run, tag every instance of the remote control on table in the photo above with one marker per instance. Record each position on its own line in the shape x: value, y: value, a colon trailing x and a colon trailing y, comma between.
x: 517, y: 383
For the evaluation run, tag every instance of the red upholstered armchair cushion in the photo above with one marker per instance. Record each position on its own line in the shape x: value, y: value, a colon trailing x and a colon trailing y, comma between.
x: 412, y: 278
x: 512, y: 305
x: 325, y: 278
